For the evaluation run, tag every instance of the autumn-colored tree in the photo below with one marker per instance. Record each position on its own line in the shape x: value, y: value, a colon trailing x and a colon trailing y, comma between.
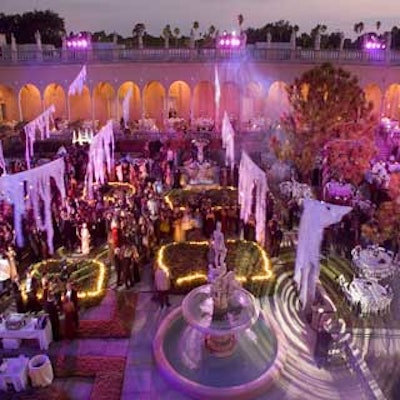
x: 328, y: 111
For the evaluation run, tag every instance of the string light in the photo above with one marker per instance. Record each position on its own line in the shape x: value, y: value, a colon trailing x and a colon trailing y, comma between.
x: 264, y: 275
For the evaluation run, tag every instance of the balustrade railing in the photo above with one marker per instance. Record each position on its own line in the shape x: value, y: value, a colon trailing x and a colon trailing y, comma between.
x: 273, y: 55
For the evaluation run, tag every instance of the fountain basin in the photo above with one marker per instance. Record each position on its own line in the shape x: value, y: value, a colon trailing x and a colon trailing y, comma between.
x: 187, y: 364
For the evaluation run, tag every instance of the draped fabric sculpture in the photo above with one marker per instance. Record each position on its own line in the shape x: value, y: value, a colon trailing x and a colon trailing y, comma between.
x: 101, y: 151
x: 228, y: 141
x: 76, y: 87
x: 37, y: 184
x: 316, y: 216
x: 2, y: 160
x: 125, y: 105
x: 217, y: 98
x: 41, y: 123
x: 250, y: 175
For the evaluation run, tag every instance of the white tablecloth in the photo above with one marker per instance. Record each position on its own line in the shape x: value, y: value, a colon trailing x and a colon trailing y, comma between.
x: 371, y: 296
x: 44, y: 336
x: 374, y: 263
x: 15, y: 373
x: 339, y: 190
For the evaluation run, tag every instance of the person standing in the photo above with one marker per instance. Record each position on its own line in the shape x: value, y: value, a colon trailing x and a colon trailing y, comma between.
x: 17, y: 295
x: 162, y: 285
x: 72, y: 294
x: 51, y: 309
x: 69, y: 321
x: 126, y: 266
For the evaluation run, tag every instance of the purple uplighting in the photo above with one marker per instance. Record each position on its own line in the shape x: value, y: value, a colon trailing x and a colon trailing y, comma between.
x: 229, y: 41
x: 373, y: 43
x: 77, y: 42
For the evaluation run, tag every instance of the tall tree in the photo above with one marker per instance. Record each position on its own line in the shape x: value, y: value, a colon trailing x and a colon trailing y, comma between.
x: 240, y: 19
x: 328, y: 110
x: 48, y: 23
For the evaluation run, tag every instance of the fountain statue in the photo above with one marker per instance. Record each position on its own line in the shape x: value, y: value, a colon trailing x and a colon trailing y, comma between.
x: 218, y: 328
x: 201, y: 171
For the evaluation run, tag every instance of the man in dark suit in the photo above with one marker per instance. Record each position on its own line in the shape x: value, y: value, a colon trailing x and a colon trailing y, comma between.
x: 72, y: 295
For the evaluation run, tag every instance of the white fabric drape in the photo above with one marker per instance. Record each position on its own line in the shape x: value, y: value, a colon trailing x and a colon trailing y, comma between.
x: 2, y: 159
x: 101, y: 151
x: 125, y: 105
x: 316, y: 216
x: 251, y: 174
x: 41, y: 123
x: 77, y: 84
x: 37, y: 181
x: 228, y: 141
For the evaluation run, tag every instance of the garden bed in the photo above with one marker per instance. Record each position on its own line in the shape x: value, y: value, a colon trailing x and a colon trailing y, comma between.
x: 89, y: 275
x: 221, y: 197
x: 187, y: 264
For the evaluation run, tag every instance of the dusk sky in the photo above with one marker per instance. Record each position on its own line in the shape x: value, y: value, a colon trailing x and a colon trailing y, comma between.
x: 122, y: 15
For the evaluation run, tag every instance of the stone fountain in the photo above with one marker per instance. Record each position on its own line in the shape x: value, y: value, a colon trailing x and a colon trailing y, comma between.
x: 201, y: 171
x: 217, y: 345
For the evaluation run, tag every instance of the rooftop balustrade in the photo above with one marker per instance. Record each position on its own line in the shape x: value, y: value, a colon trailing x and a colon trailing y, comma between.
x: 186, y: 55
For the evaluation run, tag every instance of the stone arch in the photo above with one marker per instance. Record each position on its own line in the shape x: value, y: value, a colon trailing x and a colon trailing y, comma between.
x: 373, y: 94
x: 253, y: 101
x: 391, y: 102
x: 179, y: 99
x: 55, y: 94
x: 230, y: 100
x: 30, y: 102
x: 277, y: 101
x: 80, y: 105
x: 203, y: 100
x: 135, y: 103
x: 8, y: 104
x: 104, y: 98
x: 154, y: 102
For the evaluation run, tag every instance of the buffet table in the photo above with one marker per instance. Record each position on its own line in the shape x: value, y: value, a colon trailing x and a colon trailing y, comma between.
x: 29, y: 331
x: 15, y: 372
x: 374, y: 262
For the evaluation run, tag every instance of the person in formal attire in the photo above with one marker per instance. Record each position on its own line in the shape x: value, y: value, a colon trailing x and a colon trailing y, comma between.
x: 85, y: 239
x: 162, y: 284
x: 31, y: 289
x: 69, y: 320
x: 51, y: 309
x: 72, y: 294
x: 126, y: 262
x: 135, y: 264
x: 17, y: 295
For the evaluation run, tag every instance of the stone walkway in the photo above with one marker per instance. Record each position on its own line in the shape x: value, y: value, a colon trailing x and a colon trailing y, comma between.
x: 301, y: 378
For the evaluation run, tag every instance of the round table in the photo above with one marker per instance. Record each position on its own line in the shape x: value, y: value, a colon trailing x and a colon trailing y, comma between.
x: 374, y: 262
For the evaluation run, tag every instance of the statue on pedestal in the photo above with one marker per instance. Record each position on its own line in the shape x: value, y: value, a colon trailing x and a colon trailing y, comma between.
x: 85, y: 239
x: 219, y: 245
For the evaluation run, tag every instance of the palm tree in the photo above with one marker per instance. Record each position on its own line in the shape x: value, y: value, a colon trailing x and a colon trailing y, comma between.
x: 358, y: 27
x: 240, y: 21
x: 378, y: 25
x: 177, y: 32
x: 211, y: 31
x: 138, y: 31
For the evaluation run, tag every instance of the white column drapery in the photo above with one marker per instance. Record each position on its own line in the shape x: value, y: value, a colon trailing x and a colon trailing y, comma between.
x: 76, y: 87
x: 228, y: 141
x: 251, y: 174
x: 37, y: 181
x: 125, y: 105
x: 2, y: 159
x: 101, y: 151
x: 41, y: 123
x: 316, y: 216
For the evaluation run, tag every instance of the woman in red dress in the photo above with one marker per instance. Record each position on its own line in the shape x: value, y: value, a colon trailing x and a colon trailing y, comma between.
x: 70, y: 320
